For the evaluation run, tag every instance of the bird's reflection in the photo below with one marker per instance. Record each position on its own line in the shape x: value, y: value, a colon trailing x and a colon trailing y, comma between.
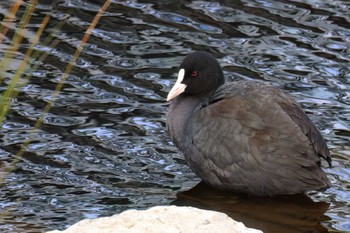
x: 287, y: 214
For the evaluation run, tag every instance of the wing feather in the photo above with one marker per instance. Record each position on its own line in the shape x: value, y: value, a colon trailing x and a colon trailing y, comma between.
x: 257, y: 142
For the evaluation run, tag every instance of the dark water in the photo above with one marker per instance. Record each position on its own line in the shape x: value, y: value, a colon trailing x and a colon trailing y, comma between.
x: 103, y: 147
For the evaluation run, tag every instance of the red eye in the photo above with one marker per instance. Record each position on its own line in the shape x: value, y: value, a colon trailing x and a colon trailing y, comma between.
x: 194, y: 74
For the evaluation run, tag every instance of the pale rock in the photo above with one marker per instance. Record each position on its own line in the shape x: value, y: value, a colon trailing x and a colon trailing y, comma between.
x: 162, y: 219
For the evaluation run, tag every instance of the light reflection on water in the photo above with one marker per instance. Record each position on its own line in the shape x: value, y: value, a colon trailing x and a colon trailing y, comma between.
x: 103, y: 148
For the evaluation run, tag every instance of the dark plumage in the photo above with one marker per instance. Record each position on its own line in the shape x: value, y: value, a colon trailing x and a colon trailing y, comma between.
x: 243, y: 136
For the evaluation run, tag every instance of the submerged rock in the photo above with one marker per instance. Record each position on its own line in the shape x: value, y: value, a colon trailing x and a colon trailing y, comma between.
x: 160, y: 219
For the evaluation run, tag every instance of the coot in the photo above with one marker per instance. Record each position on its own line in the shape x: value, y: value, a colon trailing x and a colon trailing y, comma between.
x: 243, y: 136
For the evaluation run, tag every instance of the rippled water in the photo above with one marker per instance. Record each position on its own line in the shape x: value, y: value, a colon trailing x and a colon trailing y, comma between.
x: 103, y: 147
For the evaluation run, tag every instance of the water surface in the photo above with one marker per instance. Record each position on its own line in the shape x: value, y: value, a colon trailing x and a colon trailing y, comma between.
x: 103, y: 147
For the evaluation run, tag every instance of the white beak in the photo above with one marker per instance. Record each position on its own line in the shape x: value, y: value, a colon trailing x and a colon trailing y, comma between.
x: 178, y: 88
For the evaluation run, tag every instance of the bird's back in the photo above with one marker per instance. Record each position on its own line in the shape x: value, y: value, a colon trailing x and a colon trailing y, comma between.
x: 255, y: 138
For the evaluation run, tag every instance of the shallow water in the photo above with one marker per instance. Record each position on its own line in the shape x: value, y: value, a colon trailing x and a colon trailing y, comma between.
x: 103, y: 147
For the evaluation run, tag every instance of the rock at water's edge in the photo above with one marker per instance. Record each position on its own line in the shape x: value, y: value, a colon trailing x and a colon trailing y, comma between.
x: 160, y: 219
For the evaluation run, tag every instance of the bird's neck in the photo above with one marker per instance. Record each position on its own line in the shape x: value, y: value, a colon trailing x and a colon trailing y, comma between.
x: 181, y: 110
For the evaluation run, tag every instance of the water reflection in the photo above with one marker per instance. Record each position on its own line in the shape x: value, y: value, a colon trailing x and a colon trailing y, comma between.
x: 290, y: 214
